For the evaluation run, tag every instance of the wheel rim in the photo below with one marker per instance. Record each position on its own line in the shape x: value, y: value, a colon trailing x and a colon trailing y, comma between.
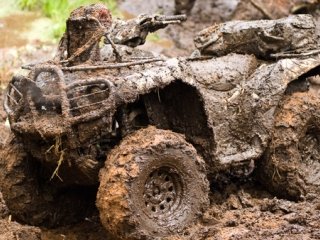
x: 163, y: 192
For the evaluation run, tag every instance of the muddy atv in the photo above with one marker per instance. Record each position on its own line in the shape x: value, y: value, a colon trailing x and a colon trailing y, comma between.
x: 150, y: 132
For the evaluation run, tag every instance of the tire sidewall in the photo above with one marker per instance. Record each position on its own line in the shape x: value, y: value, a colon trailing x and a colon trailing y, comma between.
x: 193, y: 196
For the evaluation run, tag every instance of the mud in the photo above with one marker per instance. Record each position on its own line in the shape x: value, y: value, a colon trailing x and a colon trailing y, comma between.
x: 239, y: 207
x: 14, y: 231
x: 239, y: 211
x: 247, y: 212
x: 261, y: 38
x: 295, y: 139
x: 10, y: 230
x: 206, y: 12
x: 132, y: 172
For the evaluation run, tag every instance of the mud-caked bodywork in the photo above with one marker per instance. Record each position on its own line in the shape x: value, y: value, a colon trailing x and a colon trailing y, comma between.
x: 224, y: 106
x: 71, y: 117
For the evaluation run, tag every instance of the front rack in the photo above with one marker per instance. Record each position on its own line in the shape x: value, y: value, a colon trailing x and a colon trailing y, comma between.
x: 80, y: 101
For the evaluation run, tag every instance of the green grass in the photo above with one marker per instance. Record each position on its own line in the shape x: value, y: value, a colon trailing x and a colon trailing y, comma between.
x: 29, y: 4
x: 59, y: 10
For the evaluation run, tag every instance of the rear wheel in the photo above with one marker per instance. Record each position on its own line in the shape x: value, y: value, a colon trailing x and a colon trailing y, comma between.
x: 153, y: 185
x: 291, y: 167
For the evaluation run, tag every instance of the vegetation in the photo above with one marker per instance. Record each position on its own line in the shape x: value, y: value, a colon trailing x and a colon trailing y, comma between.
x: 59, y: 10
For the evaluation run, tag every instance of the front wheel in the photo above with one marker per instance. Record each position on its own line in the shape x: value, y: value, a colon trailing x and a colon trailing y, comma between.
x: 153, y: 185
x: 31, y: 198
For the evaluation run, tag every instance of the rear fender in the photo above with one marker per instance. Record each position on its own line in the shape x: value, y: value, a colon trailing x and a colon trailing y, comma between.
x: 245, y: 133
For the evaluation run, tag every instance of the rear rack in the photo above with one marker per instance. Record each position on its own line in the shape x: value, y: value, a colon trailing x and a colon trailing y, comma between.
x: 103, y: 65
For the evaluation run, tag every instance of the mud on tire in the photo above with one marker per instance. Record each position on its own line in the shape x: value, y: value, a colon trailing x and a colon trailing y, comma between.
x: 33, y: 200
x: 153, y: 185
x: 291, y: 166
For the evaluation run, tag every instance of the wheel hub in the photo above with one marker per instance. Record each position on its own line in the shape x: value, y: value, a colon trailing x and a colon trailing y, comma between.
x: 162, y: 192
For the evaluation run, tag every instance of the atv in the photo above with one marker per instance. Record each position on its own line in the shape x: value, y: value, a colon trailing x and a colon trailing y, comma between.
x: 150, y: 133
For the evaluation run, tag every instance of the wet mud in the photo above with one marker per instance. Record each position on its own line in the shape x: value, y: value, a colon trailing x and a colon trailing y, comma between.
x: 244, y: 204
x: 238, y: 210
x: 160, y: 166
x: 241, y: 211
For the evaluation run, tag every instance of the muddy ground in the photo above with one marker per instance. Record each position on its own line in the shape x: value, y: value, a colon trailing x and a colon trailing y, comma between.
x: 239, y: 210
